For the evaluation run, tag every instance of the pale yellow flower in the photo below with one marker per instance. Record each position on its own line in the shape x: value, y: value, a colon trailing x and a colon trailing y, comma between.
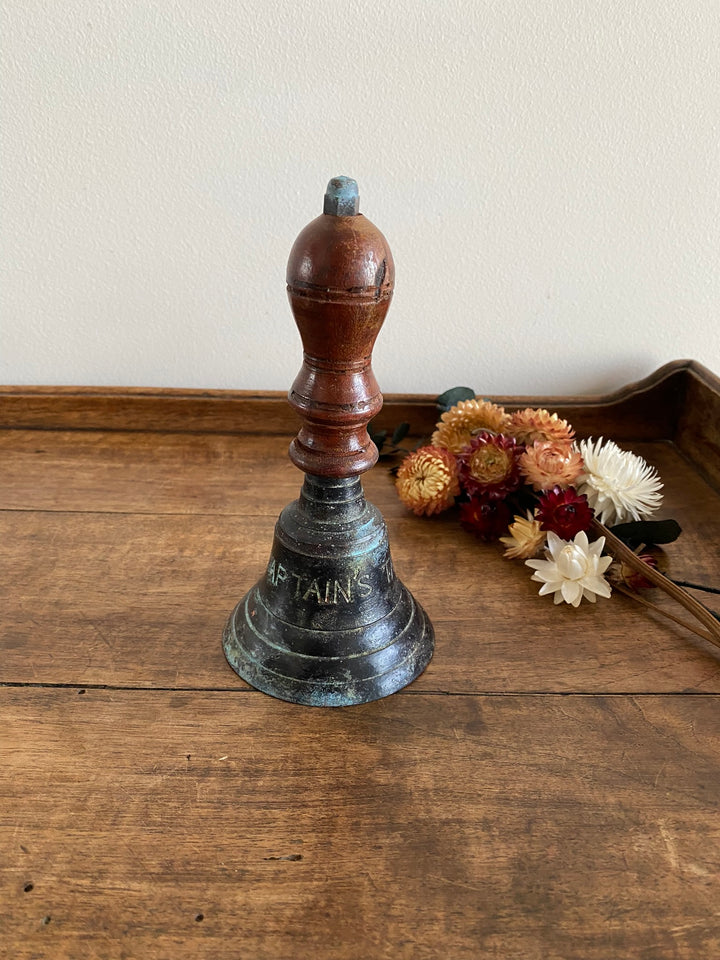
x: 526, y: 538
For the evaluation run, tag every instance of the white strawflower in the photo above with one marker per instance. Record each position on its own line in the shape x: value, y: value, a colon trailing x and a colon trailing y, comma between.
x: 619, y: 485
x: 573, y: 569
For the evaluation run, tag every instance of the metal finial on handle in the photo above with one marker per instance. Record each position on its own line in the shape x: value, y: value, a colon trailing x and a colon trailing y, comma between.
x: 341, y: 197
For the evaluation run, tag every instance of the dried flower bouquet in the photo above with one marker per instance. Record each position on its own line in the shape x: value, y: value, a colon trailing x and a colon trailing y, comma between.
x: 523, y: 479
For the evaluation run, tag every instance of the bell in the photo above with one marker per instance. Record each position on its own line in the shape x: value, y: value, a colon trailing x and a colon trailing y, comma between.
x: 329, y: 623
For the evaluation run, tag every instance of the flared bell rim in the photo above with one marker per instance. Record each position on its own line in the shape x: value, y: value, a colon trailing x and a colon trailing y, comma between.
x: 360, y: 676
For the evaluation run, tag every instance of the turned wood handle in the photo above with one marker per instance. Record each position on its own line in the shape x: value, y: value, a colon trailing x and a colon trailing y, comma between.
x: 340, y: 279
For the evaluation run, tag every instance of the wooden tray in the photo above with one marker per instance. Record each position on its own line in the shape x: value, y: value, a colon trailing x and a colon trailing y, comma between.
x: 548, y: 788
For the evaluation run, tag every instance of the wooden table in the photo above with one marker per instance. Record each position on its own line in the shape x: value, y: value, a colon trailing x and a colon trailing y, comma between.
x: 547, y: 789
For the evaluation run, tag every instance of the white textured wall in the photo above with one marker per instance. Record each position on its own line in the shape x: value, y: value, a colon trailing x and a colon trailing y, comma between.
x: 546, y: 173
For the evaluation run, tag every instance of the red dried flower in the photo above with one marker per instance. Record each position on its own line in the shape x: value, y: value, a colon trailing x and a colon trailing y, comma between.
x: 490, y: 466
x: 565, y: 512
x: 485, y: 518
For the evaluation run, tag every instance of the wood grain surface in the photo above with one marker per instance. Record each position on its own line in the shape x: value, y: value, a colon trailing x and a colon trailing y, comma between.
x: 548, y: 788
x: 163, y: 824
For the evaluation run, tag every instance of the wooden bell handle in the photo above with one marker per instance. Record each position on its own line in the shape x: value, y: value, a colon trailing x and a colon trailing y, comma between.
x: 340, y: 279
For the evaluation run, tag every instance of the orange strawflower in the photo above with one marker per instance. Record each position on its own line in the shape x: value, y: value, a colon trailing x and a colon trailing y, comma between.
x: 461, y: 423
x: 427, y: 480
x: 547, y: 464
x: 530, y: 425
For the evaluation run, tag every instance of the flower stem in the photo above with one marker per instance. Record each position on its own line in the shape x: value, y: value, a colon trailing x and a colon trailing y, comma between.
x: 624, y: 553
x: 666, y: 613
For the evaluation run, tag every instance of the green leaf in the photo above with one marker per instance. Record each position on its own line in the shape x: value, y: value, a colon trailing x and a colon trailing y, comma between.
x: 453, y: 396
x: 400, y: 432
x: 648, y: 531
